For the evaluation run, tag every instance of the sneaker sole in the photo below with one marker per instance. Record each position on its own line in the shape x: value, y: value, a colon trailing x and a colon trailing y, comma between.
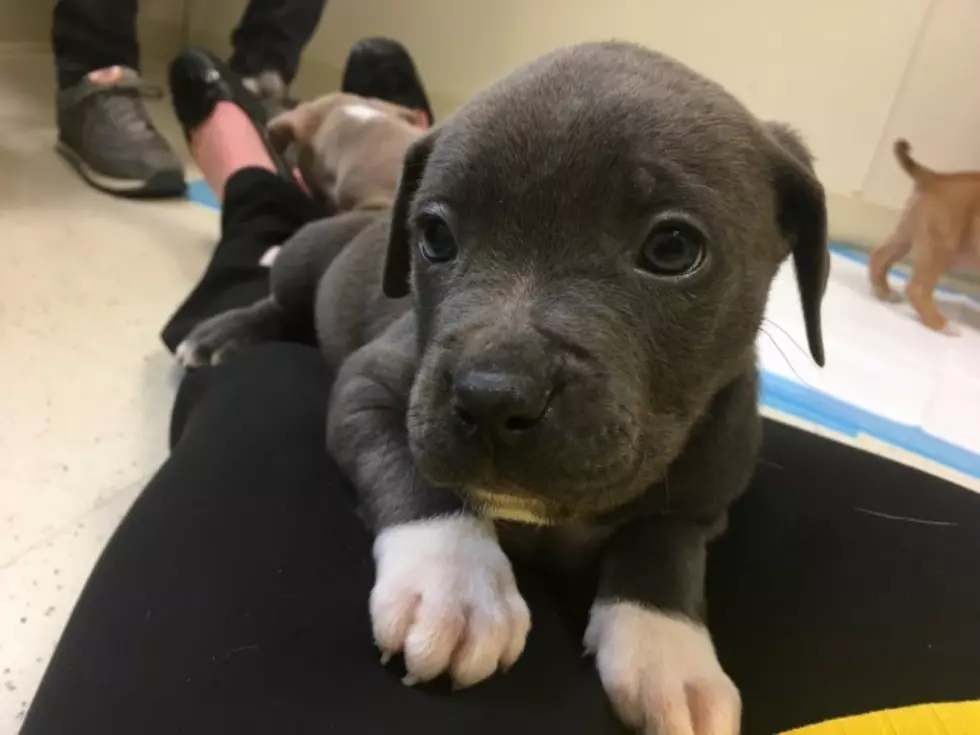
x: 163, y: 184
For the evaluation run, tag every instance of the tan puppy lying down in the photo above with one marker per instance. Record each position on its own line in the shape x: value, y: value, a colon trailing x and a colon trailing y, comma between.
x: 349, y: 148
x: 940, y: 226
x: 349, y: 151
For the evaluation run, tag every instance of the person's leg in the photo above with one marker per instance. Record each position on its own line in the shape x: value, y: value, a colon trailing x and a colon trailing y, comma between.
x: 225, y: 143
x: 268, y: 43
x: 260, y: 210
x: 272, y: 34
x: 224, y: 124
x: 104, y: 130
x: 93, y: 34
x: 262, y: 204
x: 846, y: 583
x: 233, y: 597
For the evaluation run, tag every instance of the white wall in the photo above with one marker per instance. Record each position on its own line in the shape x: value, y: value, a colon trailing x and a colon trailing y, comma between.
x: 938, y: 107
x: 160, y: 26
x: 25, y: 23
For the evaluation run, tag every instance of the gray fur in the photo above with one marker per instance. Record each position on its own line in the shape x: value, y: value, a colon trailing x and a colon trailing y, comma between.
x: 550, y: 180
x: 218, y: 338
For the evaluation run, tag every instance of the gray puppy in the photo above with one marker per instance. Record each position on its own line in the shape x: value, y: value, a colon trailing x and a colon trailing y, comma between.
x: 576, y: 269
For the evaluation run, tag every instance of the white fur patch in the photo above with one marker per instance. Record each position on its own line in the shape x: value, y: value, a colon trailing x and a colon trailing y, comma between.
x: 361, y: 112
x: 511, y: 508
x: 186, y: 354
x: 269, y: 256
x: 445, y: 597
x: 661, y: 672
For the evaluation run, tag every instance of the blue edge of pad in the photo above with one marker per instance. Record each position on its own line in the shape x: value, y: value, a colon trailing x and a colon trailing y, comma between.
x: 788, y: 396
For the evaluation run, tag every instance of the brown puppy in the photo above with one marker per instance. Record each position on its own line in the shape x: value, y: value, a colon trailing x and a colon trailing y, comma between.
x: 940, y: 225
x: 349, y: 148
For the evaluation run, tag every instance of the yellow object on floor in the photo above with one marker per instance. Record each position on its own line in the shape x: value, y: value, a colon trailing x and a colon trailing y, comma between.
x: 952, y: 718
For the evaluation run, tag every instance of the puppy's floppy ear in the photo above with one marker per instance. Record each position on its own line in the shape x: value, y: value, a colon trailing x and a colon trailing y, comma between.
x: 803, y: 219
x: 398, y: 262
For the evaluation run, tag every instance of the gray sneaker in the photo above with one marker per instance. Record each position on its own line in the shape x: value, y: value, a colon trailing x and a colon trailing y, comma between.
x: 105, y: 133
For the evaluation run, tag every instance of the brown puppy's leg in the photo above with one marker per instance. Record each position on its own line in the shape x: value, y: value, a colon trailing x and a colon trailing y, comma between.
x: 931, y: 260
x: 890, y: 252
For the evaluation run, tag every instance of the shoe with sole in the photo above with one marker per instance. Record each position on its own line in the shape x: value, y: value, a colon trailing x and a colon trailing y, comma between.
x: 105, y: 133
x: 199, y: 80
x: 382, y: 68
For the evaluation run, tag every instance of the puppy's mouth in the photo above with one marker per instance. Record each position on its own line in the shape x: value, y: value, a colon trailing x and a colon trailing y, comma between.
x: 510, y: 503
x: 578, y: 455
x: 503, y: 507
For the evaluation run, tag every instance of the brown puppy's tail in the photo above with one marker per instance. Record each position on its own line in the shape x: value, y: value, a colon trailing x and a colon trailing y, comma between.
x: 903, y: 152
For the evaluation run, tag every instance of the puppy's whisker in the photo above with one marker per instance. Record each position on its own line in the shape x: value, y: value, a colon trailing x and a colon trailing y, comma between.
x: 790, y: 337
x: 769, y: 463
x: 788, y: 362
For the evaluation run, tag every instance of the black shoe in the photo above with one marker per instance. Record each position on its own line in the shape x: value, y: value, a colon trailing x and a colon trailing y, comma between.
x: 199, y: 80
x: 106, y: 134
x: 382, y: 68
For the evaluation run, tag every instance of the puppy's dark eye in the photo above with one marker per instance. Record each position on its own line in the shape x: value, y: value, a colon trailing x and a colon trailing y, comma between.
x: 672, y: 249
x: 437, y: 243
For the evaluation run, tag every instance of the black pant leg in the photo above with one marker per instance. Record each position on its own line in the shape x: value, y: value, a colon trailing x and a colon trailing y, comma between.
x: 845, y: 584
x: 93, y: 34
x: 272, y: 34
x: 233, y: 597
x: 260, y: 210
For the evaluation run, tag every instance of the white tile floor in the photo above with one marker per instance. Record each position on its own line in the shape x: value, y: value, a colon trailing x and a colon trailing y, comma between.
x: 85, y: 282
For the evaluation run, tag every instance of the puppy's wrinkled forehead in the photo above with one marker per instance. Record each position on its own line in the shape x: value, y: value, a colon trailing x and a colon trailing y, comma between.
x: 609, y: 126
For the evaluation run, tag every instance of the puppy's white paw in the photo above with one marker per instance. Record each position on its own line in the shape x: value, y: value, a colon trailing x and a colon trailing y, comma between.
x: 661, y: 672
x: 445, y: 597
x: 188, y: 356
x: 269, y: 256
x: 193, y: 354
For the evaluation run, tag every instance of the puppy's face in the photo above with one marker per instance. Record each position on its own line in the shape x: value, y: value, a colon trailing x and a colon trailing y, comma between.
x: 591, y: 245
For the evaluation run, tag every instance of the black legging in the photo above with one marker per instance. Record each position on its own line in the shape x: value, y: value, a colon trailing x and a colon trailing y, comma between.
x: 92, y: 34
x: 233, y: 597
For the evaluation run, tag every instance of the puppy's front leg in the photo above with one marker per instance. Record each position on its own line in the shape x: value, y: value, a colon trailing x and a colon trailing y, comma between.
x: 445, y: 597
x: 444, y: 594
x: 646, y: 629
x: 654, y: 655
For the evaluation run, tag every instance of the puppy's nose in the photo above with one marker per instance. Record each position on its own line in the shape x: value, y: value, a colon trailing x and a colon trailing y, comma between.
x: 502, y: 405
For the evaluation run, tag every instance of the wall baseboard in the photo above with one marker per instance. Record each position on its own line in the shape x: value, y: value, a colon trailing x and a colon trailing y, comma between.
x: 859, y: 222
